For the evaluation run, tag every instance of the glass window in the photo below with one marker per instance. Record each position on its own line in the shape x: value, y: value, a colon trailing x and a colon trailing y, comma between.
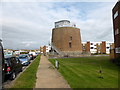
x: 91, y: 43
x: 117, y: 31
x: 117, y: 50
x: 70, y: 45
x: 17, y: 60
x: 91, y: 47
x: 116, y: 14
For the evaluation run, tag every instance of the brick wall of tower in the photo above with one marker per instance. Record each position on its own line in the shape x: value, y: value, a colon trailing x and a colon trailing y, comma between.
x: 67, y: 39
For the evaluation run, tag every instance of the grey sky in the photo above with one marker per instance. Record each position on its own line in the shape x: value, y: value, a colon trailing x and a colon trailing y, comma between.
x: 28, y: 25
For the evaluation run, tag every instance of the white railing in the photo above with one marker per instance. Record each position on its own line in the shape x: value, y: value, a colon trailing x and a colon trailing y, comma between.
x: 56, y: 49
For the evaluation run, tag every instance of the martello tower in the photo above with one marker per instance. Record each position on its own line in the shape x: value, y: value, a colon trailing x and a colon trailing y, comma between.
x: 66, y: 38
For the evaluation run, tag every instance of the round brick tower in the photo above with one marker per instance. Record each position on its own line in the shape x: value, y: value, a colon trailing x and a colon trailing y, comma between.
x: 66, y: 38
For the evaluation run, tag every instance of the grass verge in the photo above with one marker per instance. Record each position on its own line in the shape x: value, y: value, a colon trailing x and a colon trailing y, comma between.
x: 28, y: 78
x: 84, y: 72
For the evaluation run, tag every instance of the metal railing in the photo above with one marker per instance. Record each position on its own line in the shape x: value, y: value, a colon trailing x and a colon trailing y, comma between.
x: 56, y: 49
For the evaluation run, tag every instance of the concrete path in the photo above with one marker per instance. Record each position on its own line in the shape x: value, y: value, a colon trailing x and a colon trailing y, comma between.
x: 48, y: 76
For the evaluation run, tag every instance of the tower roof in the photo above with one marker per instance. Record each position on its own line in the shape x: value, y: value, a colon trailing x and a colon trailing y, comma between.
x: 64, y: 23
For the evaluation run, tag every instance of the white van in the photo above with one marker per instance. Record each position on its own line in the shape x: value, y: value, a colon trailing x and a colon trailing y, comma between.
x: 33, y: 53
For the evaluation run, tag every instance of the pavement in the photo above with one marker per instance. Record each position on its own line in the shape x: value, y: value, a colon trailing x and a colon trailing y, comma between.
x: 48, y: 76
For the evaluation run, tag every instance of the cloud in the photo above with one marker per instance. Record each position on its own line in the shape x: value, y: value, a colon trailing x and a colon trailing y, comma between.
x: 28, y: 43
x: 58, y: 1
x: 29, y: 24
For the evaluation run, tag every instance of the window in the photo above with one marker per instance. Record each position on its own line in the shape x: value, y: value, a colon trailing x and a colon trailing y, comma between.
x: 91, y: 43
x: 91, y: 47
x: 70, y: 37
x: 117, y: 50
x: 116, y: 14
x: 17, y: 60
x: 117, y: 31
x: 99, y: 48
x: 13, y: 60
x: 84, y: 47
x: 70, y: 45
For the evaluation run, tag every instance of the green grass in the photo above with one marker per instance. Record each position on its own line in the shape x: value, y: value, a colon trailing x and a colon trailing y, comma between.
x: 28, y: 78
x: 84, y: 72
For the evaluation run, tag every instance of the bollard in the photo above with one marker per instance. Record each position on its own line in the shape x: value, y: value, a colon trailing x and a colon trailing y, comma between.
x: 100, y: 73
x: 57, y: 64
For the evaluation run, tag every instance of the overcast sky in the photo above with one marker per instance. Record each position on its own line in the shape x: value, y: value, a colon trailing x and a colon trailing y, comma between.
x: 28, y: 25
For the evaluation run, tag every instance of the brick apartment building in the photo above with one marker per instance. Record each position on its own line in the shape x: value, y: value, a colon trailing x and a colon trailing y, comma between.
x: 41, y: 49
x: 116, y: 28
x: 45, y: 49
x: 97, y: 47
x: 66, y: 38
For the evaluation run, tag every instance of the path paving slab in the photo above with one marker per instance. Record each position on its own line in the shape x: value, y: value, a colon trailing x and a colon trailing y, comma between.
x: 48, y: 76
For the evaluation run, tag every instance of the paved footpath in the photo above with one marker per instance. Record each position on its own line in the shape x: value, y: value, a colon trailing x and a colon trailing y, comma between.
x: 48, y: 76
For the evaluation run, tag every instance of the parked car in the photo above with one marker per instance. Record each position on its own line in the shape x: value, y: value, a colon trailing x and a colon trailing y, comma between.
x: 37, y: 54
x: 25, y: 59
x: 31, y: 56
x: 33, y: 53
x: 17, y: 53
x: 8, y: 53
x: 2, y: 66
x: 12, y: 67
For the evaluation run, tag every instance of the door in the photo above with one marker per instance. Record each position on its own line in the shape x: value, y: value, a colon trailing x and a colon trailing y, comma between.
x: 19, y: 65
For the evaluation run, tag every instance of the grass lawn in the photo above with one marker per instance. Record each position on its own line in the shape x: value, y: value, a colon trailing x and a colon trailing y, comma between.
x: 84, y: 72
x: 28, y: 78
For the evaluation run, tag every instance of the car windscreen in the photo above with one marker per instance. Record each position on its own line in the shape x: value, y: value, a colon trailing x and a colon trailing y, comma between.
x: 7, y: 61
x: 23, y: 56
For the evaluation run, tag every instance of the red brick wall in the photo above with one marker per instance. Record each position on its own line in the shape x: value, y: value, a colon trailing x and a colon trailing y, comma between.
x: 116, y: 25
x: 63, y: 36
x: 103, y: 47
x: 88, y: 46
x: 44, y: 49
